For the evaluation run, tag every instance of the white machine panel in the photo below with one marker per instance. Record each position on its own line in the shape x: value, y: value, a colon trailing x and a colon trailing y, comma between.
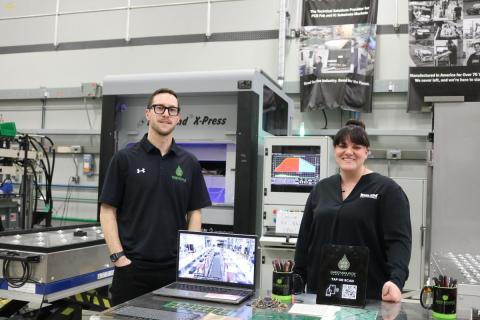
x: 416, y: 191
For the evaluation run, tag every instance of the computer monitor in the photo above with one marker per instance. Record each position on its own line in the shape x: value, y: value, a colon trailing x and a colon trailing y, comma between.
x: 293, y: 166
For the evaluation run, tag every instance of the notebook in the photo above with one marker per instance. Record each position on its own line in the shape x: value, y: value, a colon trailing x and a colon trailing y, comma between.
x: 216, y: 267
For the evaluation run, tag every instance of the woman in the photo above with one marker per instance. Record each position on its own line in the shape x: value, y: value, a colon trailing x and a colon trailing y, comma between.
x: 357, y: 207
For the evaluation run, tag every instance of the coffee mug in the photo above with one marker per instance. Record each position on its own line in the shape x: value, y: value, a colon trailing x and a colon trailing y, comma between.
x: 284, y: 284
x: 441, y: 300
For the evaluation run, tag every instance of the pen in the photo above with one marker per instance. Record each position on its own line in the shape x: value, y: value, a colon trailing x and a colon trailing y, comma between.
x: 453, y: 284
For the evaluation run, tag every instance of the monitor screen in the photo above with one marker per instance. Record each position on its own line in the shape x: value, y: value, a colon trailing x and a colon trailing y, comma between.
x: 218, y: 258
x: 295, y: 168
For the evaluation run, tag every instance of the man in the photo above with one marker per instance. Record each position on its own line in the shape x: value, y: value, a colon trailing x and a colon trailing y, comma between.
x: 452, y: 52
x: 458, y: 12
x: 151, y: 191
x: 474, y: 59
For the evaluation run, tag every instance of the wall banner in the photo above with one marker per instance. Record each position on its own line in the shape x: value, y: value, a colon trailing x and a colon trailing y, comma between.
x: 337, y: 54
x: 444, y: 50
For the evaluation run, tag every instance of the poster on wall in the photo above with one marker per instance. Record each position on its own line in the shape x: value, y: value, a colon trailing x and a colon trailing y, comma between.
x: 444, y: 38
x: 337, y: 54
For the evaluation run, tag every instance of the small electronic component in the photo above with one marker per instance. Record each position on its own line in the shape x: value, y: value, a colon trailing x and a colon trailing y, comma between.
x: 80, y: 233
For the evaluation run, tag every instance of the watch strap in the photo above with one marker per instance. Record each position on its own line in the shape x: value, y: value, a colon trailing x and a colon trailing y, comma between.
x: 117, y: 255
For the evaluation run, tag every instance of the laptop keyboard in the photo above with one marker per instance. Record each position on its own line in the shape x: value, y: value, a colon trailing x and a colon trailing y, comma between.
x: 210, y: 289
x: 145, y: 313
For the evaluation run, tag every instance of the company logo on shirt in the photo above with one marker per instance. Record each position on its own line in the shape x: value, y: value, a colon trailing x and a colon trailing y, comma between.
x: 179, y: 175
x: 371, y: 195
x: 140, y: 170
x: 344, y: 264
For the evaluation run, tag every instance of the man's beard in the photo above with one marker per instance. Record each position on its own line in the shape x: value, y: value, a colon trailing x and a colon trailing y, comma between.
x: 160, y: 131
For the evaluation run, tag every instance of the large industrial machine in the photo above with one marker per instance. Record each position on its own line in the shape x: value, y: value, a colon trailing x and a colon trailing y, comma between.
x: 24, y: 161
x: 225, y: 116
x: 49, y: 264
x: 292, y: 167
x: 40, y: 263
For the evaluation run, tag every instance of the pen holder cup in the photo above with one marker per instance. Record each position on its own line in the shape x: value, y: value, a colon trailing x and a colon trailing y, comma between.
x: 443, y: 303
x: 284, y: 284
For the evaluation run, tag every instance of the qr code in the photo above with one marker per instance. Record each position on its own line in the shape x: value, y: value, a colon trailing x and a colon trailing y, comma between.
x: 349, y: 291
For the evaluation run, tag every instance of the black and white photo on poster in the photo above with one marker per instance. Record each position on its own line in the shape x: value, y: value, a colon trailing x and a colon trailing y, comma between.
x: 336, y: 60
x: 443, y: 34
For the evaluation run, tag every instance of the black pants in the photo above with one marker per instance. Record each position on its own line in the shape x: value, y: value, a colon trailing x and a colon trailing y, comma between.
x: 133, y: 281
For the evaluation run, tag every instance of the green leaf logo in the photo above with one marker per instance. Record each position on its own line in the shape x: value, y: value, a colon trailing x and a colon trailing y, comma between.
x: 344, y: 264
x: 179, y: 172
x: 445, y: 297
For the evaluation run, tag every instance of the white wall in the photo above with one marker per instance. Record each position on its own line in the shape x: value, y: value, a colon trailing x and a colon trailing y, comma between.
x: 70, y: 68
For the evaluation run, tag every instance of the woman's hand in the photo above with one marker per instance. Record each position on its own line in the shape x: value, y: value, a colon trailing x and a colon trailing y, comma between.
x: 391, y: 292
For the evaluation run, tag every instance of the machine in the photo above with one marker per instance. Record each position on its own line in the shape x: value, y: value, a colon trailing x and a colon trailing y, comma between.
x: 225, y: 116
x: 40, y: 263
x: 292, y: 167
x: 53, y: 263
x: 24, y: 161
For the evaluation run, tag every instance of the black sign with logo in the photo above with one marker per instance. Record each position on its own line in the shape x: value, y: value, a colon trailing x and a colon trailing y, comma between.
x: 343, y: 275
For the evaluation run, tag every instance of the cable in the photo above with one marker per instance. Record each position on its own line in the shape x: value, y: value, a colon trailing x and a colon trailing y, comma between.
x: 66, y: 202
x: 48, y: 171
x: 26, y: 276
x: 325, y: 117
x: 16, y: 282
x: 88, y: 115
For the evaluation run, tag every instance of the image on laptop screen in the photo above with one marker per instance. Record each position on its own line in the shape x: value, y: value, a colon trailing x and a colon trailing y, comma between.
x: 219, y: 258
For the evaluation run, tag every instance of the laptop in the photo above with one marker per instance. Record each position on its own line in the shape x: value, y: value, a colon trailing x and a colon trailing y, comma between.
x: 217, y: 267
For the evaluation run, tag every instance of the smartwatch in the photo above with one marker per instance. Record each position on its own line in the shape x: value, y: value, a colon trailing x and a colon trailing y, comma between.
x: 115, y: 256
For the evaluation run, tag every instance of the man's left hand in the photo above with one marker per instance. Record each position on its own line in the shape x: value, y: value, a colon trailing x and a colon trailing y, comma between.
x: 391, y: 292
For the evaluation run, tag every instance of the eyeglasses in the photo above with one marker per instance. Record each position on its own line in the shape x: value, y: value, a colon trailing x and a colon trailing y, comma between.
x: 160, y: 109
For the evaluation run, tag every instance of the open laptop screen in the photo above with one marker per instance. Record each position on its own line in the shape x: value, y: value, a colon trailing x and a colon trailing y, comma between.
x: 219, y: 258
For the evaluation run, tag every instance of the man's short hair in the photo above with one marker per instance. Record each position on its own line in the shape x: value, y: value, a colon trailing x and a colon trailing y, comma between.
x: 160, y: 91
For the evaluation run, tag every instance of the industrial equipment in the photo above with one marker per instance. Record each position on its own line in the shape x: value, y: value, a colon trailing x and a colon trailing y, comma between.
x: 292, y: 167
x: 52, y: 263
x: 24, y: 160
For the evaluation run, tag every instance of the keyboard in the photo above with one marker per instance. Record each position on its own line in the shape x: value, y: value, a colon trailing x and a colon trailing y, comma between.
x: 146, y: 313
x: 208, y: 289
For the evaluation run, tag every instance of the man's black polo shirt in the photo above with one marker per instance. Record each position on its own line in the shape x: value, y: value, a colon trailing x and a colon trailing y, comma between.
x: 152, y: 195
